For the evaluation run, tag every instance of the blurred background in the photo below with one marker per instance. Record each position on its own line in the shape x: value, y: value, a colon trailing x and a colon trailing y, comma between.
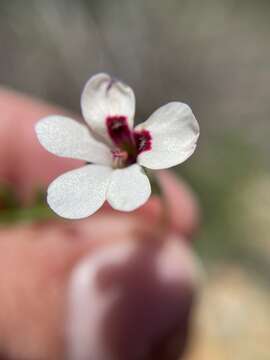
x: 214, y: 55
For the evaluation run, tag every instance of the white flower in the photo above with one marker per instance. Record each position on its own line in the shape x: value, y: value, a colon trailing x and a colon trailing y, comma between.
x: 116, y: 152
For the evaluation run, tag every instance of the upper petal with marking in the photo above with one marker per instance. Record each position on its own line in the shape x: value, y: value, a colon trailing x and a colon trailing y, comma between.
x: 68, y: 138
x: 105, y: 97
x: 174, y: 132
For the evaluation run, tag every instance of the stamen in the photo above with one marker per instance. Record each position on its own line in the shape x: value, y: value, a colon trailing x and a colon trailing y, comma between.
x: 119, y: 154
x: 119, y: 158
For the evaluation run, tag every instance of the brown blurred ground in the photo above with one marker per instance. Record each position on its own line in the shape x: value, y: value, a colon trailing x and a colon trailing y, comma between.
x: 231, y: 320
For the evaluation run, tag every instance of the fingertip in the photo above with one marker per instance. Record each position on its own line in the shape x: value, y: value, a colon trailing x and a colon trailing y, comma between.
x: 182, y: 203
x: 178, y: 201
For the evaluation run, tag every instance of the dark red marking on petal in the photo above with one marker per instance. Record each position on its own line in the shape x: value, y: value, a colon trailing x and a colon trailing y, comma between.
x: 143, y: 141
x: 119, y: 131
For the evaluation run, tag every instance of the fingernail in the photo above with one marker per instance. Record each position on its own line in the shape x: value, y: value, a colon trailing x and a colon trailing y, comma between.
x: 88, y: 304
x: 132, y: 301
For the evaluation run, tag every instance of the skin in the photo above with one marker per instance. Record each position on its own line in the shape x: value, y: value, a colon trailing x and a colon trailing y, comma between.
x: 37, y: 260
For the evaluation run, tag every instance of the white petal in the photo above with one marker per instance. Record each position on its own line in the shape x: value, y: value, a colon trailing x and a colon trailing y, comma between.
x: 79, y: 193
x: 66, y: 137
x: 104, y: 96
x: 174, y: 131
x: 129, y: 188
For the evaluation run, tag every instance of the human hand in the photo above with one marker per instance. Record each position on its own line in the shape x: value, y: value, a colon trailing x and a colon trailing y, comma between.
x: 103, y: 288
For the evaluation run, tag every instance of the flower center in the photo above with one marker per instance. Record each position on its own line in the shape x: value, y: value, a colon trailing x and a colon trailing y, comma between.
x: 129, y: 144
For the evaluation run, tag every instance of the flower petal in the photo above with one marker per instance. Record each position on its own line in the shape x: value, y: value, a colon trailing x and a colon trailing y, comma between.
x: 129, y: 188
x: 66, y: 137
x: 79, y: 193
x: 104, y: 96
x: 174, y: 132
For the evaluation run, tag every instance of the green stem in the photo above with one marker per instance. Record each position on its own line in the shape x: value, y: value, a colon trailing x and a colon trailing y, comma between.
x: 37, y: 213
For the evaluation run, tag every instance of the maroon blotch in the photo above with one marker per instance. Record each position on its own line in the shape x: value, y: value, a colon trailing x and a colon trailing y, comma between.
x: 143, y: 141
x: 119, y: 131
